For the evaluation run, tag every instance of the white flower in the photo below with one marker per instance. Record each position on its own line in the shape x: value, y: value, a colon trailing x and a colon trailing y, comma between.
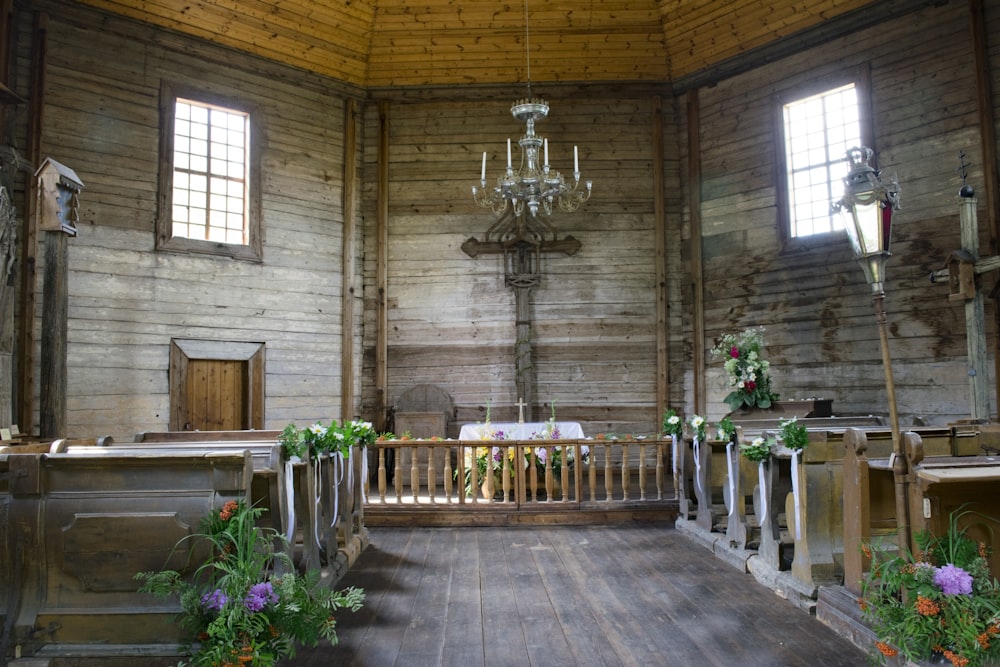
x: 697, y: 421
x: 318, y: 429
x: 674, y: 420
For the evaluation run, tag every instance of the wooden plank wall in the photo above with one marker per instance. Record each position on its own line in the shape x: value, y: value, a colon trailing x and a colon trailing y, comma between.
x: 821, y: 334
x: 451, y: 319
x: 126, y: 301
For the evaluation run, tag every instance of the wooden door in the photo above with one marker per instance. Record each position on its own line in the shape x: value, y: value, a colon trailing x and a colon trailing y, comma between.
x: 216, y: 395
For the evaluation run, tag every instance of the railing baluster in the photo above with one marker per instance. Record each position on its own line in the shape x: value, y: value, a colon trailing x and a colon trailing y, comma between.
x: 414, y: 474
x: 592, y: 474
x: 448, y: 488
x: 609, y: 480
x: 381, y: 474
x: 642, y: 471
x: 659, y: 470
x: 625, y: 472
x: 431, y: 480
x: 397, y: 478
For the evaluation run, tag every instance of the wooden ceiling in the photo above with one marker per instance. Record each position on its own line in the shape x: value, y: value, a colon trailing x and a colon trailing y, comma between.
x: 421, y: 43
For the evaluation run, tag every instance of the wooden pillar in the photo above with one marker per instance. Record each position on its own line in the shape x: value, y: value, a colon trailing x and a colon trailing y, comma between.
x: 697, y: 284
x: 29, y: 246
x: 55, y: 299
x: 991, y: 180
x: 382, y: 271
x: 660, y: 241
x: 347, y: 367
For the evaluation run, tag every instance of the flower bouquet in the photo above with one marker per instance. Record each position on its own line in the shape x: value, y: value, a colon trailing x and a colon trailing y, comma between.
x: 746, y: 371
x: 943, y: 600
x: 237, y: 609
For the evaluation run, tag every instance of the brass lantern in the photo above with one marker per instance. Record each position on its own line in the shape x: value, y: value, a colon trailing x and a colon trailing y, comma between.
x: 866, y: 208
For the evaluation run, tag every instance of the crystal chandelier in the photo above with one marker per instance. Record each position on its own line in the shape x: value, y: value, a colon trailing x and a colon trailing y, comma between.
x: 533, y: 183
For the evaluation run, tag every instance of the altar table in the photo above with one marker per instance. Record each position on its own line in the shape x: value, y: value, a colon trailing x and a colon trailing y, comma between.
x: 521, y: 431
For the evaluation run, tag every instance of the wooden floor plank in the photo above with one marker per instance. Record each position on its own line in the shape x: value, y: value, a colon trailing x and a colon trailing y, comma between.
x: 566, y: 596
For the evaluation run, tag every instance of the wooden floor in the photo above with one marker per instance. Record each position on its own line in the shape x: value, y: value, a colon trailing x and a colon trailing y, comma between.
x: 553, y: 596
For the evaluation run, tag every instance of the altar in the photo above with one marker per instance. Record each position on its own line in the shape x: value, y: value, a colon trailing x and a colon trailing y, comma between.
x: 522, y: 431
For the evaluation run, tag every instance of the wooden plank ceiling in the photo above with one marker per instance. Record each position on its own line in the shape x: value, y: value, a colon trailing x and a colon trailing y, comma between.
x: 419, y: 43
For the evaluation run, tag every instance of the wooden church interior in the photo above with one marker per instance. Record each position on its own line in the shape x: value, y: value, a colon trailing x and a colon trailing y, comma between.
x: 146, y: 374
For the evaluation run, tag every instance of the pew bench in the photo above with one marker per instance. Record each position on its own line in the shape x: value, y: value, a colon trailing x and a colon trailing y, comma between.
x: 81, y: 525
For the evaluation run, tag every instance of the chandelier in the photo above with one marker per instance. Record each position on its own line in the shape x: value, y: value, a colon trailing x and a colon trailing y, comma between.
x: 533, y: 184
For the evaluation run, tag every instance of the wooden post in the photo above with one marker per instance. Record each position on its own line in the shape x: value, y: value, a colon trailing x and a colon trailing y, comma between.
x: 697, y: 282
x: 382, y: 272
x: 660, y: 240
x: 975, y: 320
x: 55, y: 298
x: 347, y: 371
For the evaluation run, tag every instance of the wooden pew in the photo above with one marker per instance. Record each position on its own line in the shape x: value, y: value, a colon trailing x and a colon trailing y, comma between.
x: 80, y: 527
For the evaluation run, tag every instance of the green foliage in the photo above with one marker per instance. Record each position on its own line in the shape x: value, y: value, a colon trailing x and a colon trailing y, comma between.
x: 672, y: 423
x: 943, y: 600
x: 317, y: 440
x: 237, y: 609
x: 727, y: 430
x: 758, y: 449
x: 794, y: 434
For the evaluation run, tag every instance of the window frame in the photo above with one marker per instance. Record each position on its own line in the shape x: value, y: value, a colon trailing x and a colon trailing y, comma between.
x: 861, y: 78
x: 165, y: 239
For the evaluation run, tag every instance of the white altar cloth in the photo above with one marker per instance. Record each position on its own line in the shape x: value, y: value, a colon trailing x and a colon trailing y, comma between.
x: 516, y: 431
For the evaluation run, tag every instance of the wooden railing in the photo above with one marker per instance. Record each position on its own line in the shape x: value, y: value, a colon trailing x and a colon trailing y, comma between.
x: 528, y: 475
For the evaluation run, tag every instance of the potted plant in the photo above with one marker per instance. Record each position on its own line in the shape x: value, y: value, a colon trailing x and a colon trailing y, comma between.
x: 245, y: 604
x: 942, y: 600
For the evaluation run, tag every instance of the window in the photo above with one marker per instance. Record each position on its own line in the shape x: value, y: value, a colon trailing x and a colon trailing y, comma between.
x: 207, y: 184
x: 816, y: 128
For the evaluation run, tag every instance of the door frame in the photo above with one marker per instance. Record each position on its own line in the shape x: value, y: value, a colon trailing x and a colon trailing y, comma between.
x: 184, y: 350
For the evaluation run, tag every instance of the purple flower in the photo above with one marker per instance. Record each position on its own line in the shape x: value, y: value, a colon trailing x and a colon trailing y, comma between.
x: 953, y: 580
x: 215, y: 600
x: 259, y: 595
x: 541, y: 454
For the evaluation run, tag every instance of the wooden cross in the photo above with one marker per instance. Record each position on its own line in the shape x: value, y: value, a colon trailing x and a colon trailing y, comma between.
x: 520, y: 410
x: 521, y: 239
x: 962, y: 271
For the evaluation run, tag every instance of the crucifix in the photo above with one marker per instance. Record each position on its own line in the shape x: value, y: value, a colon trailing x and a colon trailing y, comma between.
x: 962, y: 271
x: 521, y: 238
x: 520, y: 410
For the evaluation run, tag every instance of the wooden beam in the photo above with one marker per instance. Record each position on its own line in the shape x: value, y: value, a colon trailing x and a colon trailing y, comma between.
x: 382, y: 271
x: 660, y: 241
x: 347, y: 368
x: 55, y: 309
x: 697, y: 283
x: 984, y: 90
x: 29, y: 248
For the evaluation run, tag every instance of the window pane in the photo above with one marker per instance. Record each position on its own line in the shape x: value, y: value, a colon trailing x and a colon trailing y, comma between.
x: 210, y: 153
x: 819, y: 130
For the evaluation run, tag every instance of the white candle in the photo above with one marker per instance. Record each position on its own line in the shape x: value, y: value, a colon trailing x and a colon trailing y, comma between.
x: 576, y: 161
x: 546, y: 152
x: 508, y: 153
x: 483, y: 176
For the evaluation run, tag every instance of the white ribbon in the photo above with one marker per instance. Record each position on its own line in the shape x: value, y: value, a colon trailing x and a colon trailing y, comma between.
x: 364, y: 473
x: 317, y: 480
x: 732, y: 484
x: 795, y: 494
x: 697, y: 465
x: 290, y: 502
x: 338, y: 475
x: 763, y: 493
x: 673, y: 444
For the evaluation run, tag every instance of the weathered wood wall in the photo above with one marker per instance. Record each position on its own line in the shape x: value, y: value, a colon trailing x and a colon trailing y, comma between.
x: 450, y: 319
x: 126, y: 301
x: 821, y: 334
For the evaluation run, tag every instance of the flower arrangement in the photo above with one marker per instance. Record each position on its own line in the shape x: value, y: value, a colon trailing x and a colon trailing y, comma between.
x: 726, y: 430
x: 316, y: 440
x: 943, y: 601
x: 794, y: 434
x: 488, y: 461
x: 672, y: 423
x: 237, y: 610
x: 698, y: 426
x: 747, y: 372
x: 758, y: 449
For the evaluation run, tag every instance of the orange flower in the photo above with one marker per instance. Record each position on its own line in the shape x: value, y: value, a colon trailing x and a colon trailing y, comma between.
x: 926, y: 606
x: 984, y: 641
x: 863, y: 604
x: 886, y: 650
x: 956, y: 659
x: 228, y: 509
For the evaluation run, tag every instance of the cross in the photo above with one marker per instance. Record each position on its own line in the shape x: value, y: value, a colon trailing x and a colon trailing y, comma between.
x: 520, y: 410
x: 521, y: 240
x: 962, y: 271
